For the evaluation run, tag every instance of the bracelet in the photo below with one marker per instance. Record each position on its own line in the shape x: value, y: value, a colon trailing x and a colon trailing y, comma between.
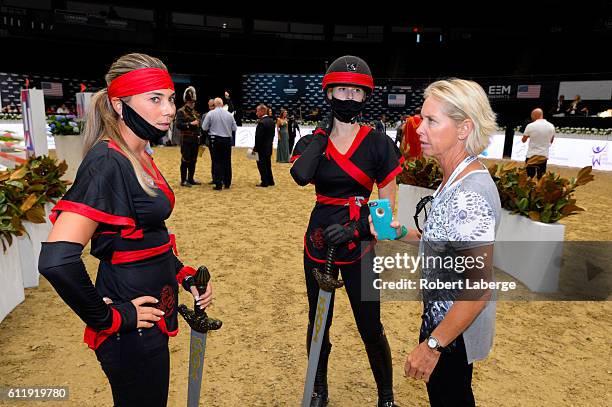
x: 404, y: 232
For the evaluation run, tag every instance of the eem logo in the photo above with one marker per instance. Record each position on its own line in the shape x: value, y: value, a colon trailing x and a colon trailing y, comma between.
x: 499, y: 91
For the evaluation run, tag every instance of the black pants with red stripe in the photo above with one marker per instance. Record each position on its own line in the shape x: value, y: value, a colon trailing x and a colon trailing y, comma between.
x: 366, y: 313
x: 137, y: 365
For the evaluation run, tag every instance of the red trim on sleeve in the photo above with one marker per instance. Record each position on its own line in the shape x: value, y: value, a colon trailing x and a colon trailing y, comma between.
x: 91, y: 213
x: 185, y: 271
x: 94, y: 338
x: 294, y: 157
x: 132, y: 234
x: 349, y: 78
x: 319, y: 131
x: 390, y: 177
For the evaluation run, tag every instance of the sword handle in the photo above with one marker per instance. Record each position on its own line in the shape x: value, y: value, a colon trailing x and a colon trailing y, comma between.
x: 329, y: 262
x: 202, y: 278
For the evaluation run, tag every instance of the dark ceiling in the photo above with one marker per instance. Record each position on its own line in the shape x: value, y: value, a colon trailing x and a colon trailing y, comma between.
x: 544, y: 38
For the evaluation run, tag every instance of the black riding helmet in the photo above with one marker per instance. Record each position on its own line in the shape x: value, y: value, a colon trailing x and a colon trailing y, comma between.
x: 351, y: 71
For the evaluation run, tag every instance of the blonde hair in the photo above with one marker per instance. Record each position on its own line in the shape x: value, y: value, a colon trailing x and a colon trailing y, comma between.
x: 463, y: 100
x: 102, y: 121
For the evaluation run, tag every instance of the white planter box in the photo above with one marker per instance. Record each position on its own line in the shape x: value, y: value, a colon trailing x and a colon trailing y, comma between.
x: 408, y: 197
x: 11, y: 280
x: 37, y: 233
x: 70, y: 149
x: 529, y: 251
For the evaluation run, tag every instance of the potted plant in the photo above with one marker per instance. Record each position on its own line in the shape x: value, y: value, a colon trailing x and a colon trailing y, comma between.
x: 419, y: 177
x: 529, y: 241
x: 68, y: 141
x: 26, y: 195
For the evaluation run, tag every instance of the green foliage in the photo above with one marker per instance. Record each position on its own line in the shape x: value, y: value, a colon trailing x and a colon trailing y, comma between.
x: 25, y: 190
x: 545, y: 200
x: 421, y: 172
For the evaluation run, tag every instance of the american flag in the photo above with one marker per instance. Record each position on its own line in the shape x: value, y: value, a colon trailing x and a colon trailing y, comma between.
x: 528, y: 92
x: 52, y: 89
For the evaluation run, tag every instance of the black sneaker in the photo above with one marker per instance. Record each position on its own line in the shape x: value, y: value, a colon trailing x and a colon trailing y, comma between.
x: 185, y: 184
x: 217, y: 187
x: 193, y: 182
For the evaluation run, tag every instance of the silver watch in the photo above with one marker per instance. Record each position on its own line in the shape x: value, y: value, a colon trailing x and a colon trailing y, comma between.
x: 434, y: 344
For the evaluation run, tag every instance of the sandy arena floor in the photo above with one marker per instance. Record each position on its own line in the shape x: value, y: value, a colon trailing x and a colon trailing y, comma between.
x: 545, y: 353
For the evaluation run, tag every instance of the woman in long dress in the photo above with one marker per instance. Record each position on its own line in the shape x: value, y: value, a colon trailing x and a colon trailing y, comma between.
x: 282, y: 149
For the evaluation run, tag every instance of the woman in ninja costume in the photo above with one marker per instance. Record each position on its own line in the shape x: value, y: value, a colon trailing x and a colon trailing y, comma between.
x: 344, y: 161
x: 119, y: 201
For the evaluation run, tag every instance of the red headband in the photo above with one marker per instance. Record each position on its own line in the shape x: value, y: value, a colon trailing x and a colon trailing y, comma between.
x: 140, y: 81
x: 349, y: 78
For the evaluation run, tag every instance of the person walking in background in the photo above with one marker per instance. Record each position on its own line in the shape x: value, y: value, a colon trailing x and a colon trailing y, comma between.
x: 380, y: 124
x: 188, y: 125
x: 220, y: 124
x: 540, y: 133
x: 282, y: 148
x: 264, y: 137
x: 411, y: 145
x: 206, y: 141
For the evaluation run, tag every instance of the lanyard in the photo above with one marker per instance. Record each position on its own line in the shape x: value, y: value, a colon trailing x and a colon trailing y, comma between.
x: 455, y: 174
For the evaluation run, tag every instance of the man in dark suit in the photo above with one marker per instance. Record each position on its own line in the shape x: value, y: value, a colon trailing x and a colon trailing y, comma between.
x: 264, y: 136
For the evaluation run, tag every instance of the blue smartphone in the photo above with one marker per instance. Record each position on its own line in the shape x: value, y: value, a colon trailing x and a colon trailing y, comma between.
x: 382, y: 215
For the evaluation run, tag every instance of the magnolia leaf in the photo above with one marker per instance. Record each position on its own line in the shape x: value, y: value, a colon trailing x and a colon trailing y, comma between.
x: 533, y: 215
x: 15, y: 184
x: 19, y: 173
x: 28, y: 203
x: 36, y: 215
x: 569, y: 209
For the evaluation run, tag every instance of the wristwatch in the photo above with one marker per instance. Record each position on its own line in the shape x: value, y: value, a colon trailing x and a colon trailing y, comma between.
x: 434, y: 344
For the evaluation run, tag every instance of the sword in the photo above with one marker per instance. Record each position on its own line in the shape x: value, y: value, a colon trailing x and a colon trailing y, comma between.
x: 200, y: 324
x: 328, y: 282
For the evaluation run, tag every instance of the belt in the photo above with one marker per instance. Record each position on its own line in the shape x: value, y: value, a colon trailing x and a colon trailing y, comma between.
x: 354, y: 203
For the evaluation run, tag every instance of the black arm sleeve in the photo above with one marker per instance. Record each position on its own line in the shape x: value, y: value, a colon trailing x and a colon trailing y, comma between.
x: 307, y: 154
x: 61, y: 264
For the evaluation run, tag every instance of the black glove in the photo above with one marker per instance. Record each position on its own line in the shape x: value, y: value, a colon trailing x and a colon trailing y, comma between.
x: 303, y: 170
x: 337, y: 234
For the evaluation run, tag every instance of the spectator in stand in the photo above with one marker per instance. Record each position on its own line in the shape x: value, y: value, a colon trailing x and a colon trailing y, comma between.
x: 62, y: 109
x: 577, y: 107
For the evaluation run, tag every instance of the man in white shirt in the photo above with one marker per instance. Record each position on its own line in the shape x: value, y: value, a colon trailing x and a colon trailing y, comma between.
x: 220, y: 124
x: 540, y: 133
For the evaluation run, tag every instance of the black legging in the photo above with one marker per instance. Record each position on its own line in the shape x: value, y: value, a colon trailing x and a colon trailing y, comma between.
x: 450, y: 384
x: 366, y: 313
x: 137, y: 365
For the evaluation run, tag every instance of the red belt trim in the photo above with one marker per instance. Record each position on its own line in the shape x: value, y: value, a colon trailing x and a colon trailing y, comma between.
x: 120, y: 257
x: 339, y: 263
x: 94, y: 338
x: 354, y: 203
x: 294, y: 157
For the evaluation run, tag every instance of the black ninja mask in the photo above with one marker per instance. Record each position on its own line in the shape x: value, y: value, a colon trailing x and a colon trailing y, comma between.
x: 346, y: 111
x: 140, y: 126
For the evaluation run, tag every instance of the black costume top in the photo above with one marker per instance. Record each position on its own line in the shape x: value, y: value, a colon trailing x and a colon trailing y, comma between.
x: 132, y: 243
x: 343, y: 183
